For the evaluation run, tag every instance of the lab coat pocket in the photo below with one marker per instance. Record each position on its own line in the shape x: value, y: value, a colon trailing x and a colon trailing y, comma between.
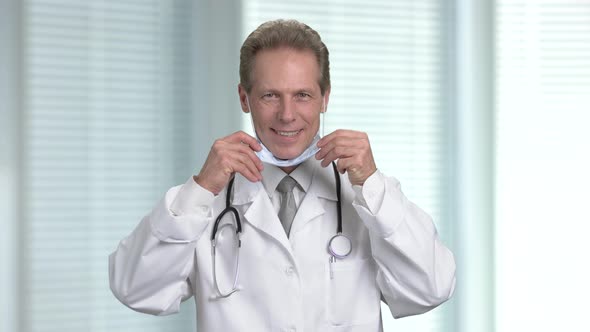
x: 353, y: 296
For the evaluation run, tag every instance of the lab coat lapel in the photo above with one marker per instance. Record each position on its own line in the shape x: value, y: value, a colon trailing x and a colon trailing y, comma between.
x: 310, y: 208
x: 322, y: 186
x: 260, y: 213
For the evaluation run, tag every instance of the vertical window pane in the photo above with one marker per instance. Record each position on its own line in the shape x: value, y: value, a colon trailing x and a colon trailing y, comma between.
x: 105, y: 99
x: 542, y: 100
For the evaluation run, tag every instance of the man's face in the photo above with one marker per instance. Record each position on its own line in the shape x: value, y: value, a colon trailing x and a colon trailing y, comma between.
x: 285, y: 100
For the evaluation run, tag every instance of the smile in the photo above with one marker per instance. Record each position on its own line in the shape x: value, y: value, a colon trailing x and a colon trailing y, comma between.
x: 288, y: 133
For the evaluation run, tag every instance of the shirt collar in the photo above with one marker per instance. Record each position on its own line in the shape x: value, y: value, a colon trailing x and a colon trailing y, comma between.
x: 323, y: 181
x: 272, y: 175
x: 304, y: 173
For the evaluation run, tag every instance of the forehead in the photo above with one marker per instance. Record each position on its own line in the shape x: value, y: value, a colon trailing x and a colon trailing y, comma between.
x: 285, y: 69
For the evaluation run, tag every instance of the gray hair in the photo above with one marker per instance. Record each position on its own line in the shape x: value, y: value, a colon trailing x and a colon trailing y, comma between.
x: 283, y: 33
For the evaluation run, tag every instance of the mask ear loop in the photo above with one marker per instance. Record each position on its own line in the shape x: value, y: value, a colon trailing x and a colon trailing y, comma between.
x: 251, y: 118
x: 248, y: 104
x: 324, y: 118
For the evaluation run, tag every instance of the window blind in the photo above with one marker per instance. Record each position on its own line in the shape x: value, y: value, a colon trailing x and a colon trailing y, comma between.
x: 542, y: 100
x: 387, y: 69
x: 105, y: 104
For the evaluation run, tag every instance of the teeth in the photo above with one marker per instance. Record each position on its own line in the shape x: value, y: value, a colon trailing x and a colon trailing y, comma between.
x: 287, y: 133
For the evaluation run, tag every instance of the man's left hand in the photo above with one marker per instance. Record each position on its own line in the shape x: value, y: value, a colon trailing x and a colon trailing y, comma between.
x: 353, y: 152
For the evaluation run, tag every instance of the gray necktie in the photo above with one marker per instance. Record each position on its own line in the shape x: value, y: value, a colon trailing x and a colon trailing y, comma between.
x: 288, y: 207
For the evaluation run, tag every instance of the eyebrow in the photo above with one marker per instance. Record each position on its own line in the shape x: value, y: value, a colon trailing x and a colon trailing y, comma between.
x: 294, y: 91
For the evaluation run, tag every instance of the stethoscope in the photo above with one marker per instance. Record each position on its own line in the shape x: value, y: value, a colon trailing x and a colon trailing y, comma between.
x: 339, y: 246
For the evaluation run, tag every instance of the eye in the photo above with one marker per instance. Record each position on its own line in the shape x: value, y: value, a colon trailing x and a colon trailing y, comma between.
x: 303, y: 95
x: 270, y: 95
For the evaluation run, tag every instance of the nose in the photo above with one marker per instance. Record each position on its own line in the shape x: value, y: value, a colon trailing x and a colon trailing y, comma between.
x: 287, y: 111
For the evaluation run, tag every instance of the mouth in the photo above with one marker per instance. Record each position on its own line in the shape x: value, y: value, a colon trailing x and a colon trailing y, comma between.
x: 287, y: 133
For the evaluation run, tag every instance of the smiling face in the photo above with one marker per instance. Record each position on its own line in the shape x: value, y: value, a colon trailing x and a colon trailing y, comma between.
x: 285, y: 100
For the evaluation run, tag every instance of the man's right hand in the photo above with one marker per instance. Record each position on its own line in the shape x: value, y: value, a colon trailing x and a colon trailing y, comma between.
x: 233, y: 153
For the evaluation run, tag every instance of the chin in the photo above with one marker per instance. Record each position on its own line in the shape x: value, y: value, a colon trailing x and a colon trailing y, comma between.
x: 286, y: 154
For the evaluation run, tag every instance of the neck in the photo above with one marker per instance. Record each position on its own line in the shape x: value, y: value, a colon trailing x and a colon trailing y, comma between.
x: 288, y: 169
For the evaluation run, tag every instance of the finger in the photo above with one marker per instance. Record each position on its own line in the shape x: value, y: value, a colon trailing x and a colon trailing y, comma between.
x: 345, y: 164
x: 242, y: 137
x: 327, y: 162
x: 341, y: 133
x: 236, y: 146
x: 245, y: 161
x: 343, y: 144
x: 246, y: 172
x: 242, y: 148
x: 358, y: 172
x: 338, y: 153
x: 237, y: 155
x: 346, y: 142
x: 242, y: 164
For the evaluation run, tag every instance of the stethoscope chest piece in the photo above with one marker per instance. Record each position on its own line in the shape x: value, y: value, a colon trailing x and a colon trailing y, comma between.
x: 340, y: 246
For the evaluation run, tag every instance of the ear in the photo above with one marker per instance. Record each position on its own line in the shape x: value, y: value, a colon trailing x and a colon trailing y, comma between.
x: 326, y: 98
x: 243, y: 98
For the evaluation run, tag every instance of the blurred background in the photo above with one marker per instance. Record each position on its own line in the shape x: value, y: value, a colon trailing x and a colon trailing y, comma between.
x: 480, y: 108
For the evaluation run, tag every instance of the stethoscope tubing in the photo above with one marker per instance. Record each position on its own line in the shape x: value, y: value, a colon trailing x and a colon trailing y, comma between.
x: 334, y: 245
x: 230, y: 208
x: 338, y: 202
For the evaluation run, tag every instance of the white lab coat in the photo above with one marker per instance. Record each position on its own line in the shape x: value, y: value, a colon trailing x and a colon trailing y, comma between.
x: 286, y: 284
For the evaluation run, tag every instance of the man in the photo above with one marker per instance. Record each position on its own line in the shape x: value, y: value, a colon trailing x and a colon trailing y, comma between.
x: 290, y: 276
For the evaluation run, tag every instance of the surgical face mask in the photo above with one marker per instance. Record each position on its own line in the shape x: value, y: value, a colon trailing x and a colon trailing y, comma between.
x: 267, y: 157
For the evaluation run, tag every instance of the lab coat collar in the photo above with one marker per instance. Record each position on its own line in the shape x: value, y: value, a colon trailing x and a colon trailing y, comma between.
x: 260, y: 213
x: 323, y: 182
x: 311, y: 176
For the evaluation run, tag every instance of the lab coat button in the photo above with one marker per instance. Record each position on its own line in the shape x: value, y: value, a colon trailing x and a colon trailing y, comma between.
x: 289, y: 271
